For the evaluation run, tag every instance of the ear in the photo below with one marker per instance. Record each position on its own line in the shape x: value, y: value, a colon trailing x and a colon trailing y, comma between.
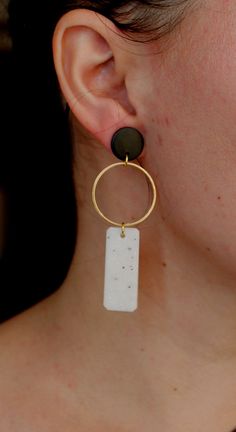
x: 95, y: 71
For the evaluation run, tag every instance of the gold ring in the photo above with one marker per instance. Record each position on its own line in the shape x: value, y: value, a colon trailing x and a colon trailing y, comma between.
x: 129, y: 224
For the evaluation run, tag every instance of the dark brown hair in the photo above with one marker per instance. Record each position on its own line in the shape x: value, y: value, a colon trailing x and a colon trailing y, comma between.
x: 136, y: 18
x: 149, y: 19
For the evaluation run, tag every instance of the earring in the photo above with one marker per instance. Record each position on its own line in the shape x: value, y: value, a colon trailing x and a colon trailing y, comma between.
x: 123, y: 243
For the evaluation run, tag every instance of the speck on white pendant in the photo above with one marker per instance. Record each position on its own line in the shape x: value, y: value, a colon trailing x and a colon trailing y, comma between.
x: 121, y: 270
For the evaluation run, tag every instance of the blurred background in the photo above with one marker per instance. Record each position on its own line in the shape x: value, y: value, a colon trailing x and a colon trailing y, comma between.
x: 37, y: 204
x: 5, y: 58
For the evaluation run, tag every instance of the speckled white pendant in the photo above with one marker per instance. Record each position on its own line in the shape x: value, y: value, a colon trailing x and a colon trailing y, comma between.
x: 121, y: 270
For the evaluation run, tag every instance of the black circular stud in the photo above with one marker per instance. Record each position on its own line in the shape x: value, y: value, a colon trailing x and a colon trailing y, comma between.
x: 127, y: 141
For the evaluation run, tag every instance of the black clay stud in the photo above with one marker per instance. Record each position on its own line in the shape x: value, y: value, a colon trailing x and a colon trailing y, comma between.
x: 127, y: 141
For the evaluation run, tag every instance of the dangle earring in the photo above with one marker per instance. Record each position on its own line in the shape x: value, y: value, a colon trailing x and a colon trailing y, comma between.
x: 122, y: 244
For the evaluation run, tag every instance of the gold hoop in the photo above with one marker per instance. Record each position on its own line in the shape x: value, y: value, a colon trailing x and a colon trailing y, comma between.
x: 123, y: 224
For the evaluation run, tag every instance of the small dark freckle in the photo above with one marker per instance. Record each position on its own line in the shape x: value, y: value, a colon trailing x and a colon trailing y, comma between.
x: 164, y: 264
x: 175, y: 389
x: 70, y: 385
x: 160, y: 140
x: 58, y: 327
x: 219, y: 197
x: 167, y: 121
x: 208, y: 249
x: 142, y: 349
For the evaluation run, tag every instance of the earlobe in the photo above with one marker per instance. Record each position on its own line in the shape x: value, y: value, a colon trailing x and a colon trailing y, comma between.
x: 91, y: 73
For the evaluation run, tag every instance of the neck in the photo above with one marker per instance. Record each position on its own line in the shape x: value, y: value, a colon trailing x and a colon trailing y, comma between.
x: 186, y: 313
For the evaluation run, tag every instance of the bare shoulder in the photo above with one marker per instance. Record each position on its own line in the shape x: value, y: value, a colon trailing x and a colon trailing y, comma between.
x: 22, y: 337
x: 19, y: 337
x: 24, y: 367
x: 42, y: 386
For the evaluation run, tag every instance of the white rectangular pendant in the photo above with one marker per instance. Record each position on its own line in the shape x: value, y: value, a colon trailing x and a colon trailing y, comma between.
x: 121, y: 270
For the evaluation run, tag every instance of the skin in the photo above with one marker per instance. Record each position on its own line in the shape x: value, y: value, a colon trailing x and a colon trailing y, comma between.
x: 171, y: 366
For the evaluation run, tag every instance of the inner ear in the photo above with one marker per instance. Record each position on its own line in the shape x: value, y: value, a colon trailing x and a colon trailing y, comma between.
x: 102, y: 76
x: 107, y: 83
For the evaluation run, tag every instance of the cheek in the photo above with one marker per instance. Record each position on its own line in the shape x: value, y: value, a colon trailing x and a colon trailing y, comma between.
x: 193, y: 136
